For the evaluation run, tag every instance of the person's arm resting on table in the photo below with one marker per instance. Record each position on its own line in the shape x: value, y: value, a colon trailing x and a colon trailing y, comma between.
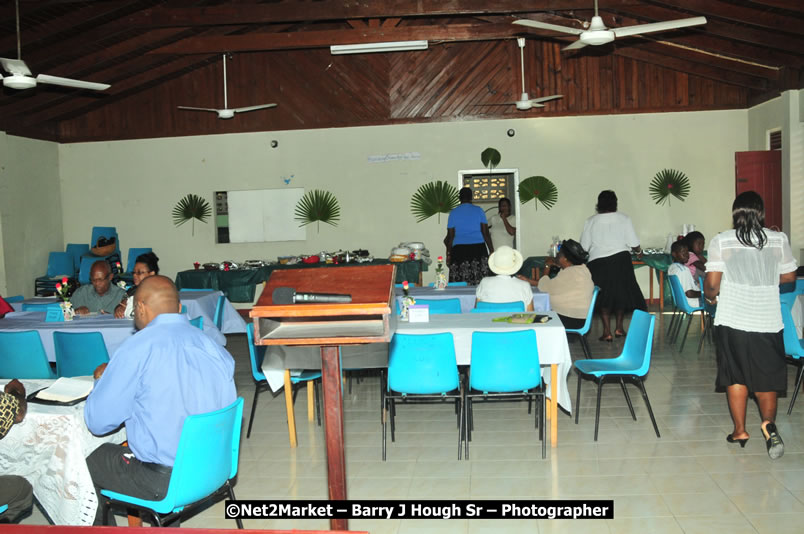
x: 112, y: 400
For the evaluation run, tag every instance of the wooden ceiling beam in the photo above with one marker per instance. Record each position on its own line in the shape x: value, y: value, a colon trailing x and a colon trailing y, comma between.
x: 753, y: 16
x: 790, y: 5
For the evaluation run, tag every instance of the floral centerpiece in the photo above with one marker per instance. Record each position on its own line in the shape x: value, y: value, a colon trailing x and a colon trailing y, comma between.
x: 64, y: 290
x: 407, y: 301
x: 441, y: 274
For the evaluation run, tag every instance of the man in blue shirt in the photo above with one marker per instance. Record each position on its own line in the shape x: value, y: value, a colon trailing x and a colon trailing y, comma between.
x: 163, y: 373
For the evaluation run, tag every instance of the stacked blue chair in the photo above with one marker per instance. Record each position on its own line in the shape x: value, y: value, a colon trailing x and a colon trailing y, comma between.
x: 218, y: 318
x: 106, y: 232
x: 59, y: 265
x: 438, y: 306
x: 76, y: 250
x: 421, y: 368
x: 683, y: 306
x: 504, y: 365
x: 30, y: 306
x: 587, y: 325
x: 85, y: 267
x: 79, y: 353
x: 501, y: 307
x: 632, y: 364
x: 23, y: 356
x: 133, y: 254
x: 206, y: 463
x: 15, y: 298
x: 793, y: 345
x: 198, y: 322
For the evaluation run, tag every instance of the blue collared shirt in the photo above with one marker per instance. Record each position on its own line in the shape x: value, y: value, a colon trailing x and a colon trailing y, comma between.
x: 155, y: 379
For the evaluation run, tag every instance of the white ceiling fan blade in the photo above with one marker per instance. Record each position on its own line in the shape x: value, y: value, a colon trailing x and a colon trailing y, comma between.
x: 545, y: 99
x: 547, y: 26
x: 199, y: 109
x: 253, y: 108
x: 15, y: 66
x: 69, y: 82
x: 574, y: 46
x: 658, y: 26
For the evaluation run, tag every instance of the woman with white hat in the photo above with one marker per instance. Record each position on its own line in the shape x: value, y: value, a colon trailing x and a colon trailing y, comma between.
x: 505, y: 262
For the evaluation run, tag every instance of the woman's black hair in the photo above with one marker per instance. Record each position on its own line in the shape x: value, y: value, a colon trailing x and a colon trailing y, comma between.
x: 748, y: 219
x: 606, y: 201
x: 151, y: 260
x: 465, y: 195
x: 692, y: 237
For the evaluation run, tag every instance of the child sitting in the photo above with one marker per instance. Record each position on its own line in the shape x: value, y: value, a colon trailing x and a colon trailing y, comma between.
x: 681, y: 254
x: 697, y: 262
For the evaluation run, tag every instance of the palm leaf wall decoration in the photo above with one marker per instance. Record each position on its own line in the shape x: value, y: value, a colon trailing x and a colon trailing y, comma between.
x: 538, y: 188
x: 490, y: 158
x: 669, y: 182
x: 190, y: 208
x: 318, y: 206
x: 433, y: 198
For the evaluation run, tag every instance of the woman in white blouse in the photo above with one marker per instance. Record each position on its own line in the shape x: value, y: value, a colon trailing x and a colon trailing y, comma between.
x: 745, y: 267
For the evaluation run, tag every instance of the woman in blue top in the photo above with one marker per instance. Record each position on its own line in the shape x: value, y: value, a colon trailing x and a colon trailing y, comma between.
x: 468, y: 241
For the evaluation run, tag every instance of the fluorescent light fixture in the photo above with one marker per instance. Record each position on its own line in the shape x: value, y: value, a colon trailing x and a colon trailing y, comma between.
x: 365, y: 48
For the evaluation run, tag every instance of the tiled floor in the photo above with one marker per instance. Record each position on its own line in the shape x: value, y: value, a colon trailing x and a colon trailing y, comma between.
x: 688, y: 481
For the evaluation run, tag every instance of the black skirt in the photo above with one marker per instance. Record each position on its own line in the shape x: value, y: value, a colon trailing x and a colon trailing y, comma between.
x: 469, y: 263
x: 614, y: 275
x: 753, y: 359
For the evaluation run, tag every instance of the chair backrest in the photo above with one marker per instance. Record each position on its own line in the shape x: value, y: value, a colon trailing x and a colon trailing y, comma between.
x: 452, y: 284
x: 3, y: 508
x: 84, y: 268
x: 60, y: 263
x: 79, y: 353
x: 799, y: 285
x: 256, y: 354
x: 133, y: 252
x: 206, y: 458
x: 504, y: 361
x: 23, y: 356
x: 76, y: 250
x: 792, y: 343
x: 218, y: 318
x: 711, y: 309
x: 638, y: 343
x: 505, y: 307
x: 439, y: 306
x: 30, y: 306
x: 422, y: 364
x: 587, y: 325
x: 184, y: 308
x: 198, y: 322
x: 15, y: 298
x: 679, y: 296
x: 107, y: 232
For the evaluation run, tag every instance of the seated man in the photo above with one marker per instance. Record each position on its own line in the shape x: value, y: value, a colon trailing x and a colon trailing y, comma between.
x: 101, y: 296
x: 505, y: 262
x: 681, y: 254
x: 15, y: 491
x: 163, y: 373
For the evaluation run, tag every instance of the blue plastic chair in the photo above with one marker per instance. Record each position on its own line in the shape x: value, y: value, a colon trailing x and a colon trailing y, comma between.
x: 439, y: 306
x: 79, y: 353
x: 107, y: 232
x: 421, y: 368
x: 505, y: 364
x: 76, y: 250
x: 133, y: 253
x: 206, y: 462
x: 587, y: 325
x: 793, y: 345
x: 85, y: 267
x: 709, y: 311
x: 15, y: 298
x: 29, y: 306
x: 59, y: 264
x: 452, y: 284
x: 683, y: 306
x: 256, y: 355
x: 23, y: 356
x: 799, y: 285
x: 3, y: 508
x: 198, y: 322
x: 502, y: 307
x: 218, y: 317
x: 633, y: 363
x: 184, y: 309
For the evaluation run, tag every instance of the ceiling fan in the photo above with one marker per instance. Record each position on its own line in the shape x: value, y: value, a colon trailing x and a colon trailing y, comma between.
x: 19, y: 75
x: 227, y: 113
x: 525, y: 102
x: 597, y: 33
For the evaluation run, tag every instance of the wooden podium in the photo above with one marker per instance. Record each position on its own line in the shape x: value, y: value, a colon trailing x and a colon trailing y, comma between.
x: 367, y: 319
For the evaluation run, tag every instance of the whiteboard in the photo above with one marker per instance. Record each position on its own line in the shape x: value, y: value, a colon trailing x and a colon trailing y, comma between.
x: 262, y: 215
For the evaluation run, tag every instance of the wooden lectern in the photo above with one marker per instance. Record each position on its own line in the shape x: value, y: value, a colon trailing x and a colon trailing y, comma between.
x: 367, y: 319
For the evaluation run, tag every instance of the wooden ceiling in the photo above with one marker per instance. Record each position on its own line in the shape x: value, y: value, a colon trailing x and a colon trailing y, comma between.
x: 158, y: 55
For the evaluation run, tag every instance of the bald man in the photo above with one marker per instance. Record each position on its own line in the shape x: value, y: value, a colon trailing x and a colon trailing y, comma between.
x: 101, y: 296
x: 166, y: 371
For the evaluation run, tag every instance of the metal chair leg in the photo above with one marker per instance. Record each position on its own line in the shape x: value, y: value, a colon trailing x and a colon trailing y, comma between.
x: 798, y: 386
x: 704, y: 330
x: 253, y: 409
x: 467, y: 434
x: 578, y: 398
x: 686, y: 331
x: 585, y: 347
x: 542, y: 432
x: 597, y: 410
x: 647, y: 403
x: 232, y: 497
x: 460, y: 427
x: 627, y: 399
x: 384, y: 429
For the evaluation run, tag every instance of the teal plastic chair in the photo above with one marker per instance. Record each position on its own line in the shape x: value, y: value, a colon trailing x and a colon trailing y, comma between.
x: 30, y: 306
x: 84, y: 267
x: 633, y: 364
x: 452, y: 284
x: 709, y: 311
x: 206, y: 462
x: 133, y: 253
x: 23, y: 356
x: 438, y: 306
x: 218, y: 317
x: 198, y: 322
x: 79, y: 353
x: 587, y: 325
x: 505, y: 365
x: 184, y: 309
x: 256, y: 356
x: 502, y: 307
x: 421, y: 368
x: 107, y: 232
x: 76, y: 250
x: 3, y: 508
x: 793, y: 345
x: 683, y: 306
x: 58, y: 264
x: 799, y: 285
x: 15, y: 298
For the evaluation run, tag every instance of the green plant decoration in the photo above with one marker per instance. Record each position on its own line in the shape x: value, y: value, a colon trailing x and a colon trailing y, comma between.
x: 318, y: 206
x: 434, y: 198
x: 539, y: 188
x: 190, y: 208
x: 490, y: 158
x: 669, y: 182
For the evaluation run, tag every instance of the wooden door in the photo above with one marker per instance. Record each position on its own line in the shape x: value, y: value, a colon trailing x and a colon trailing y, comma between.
x: 761, y: 171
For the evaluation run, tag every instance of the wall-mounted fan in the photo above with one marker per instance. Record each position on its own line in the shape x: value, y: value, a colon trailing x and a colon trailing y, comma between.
x: 597, y: 33
x: 19, y: 75
x: 227, y: 113
x: 525, y: 102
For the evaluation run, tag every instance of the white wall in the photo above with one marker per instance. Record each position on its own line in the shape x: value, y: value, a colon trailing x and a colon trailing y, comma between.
x: 135, y: 184
x: 30, y: 211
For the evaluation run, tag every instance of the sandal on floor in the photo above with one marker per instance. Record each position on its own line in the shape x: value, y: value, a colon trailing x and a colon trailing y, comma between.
x: 605, y: 338
x: 773, y: 441
x: 619, y: 333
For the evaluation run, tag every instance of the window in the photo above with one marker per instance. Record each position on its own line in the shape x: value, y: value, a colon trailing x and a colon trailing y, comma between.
x: 775, y: 139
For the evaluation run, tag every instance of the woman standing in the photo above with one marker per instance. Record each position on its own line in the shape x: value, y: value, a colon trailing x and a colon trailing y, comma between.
x: 610, y: 238
x: 745, y: 267
x: 501, y: 230
x: 468, y: 241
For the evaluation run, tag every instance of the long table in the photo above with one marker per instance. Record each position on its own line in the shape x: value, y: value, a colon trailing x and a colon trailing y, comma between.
x: 49, y: 448
x: 466, y: 294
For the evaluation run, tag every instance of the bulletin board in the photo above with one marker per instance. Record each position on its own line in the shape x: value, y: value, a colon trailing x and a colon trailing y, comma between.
x: 263, y: 215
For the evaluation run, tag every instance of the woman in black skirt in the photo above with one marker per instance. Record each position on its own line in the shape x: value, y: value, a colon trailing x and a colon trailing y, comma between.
x: 609, y: 237
x: 468, y: 241
x: 745, y: 267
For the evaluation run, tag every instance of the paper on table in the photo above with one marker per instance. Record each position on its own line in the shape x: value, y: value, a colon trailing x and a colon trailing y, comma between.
x: 68, y: 389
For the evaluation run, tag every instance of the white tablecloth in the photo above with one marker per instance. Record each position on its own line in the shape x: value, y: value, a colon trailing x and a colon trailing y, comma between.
x: 203, y: 303
x: 466, y: 294
x: 49, y: 448
x: 551, y: 340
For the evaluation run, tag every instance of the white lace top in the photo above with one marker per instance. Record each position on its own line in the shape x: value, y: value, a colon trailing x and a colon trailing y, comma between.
x: 749, y: 288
